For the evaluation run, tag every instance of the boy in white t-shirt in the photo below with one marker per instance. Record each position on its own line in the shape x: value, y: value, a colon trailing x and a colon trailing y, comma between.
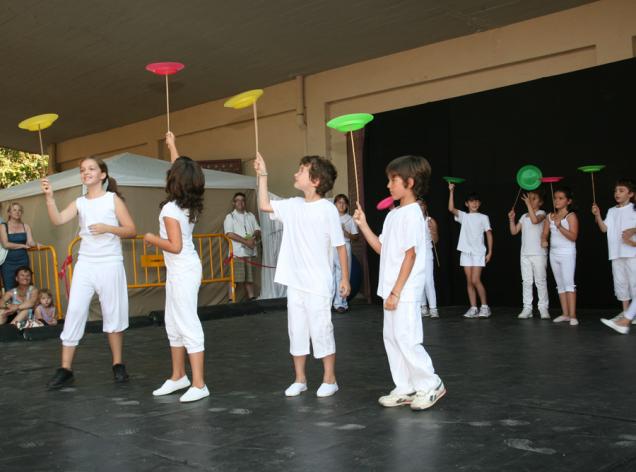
x: 621, y: 253
x: 534, y: 258
x: 311, y: 232
x: 402, y: 249
x: 473, y: 251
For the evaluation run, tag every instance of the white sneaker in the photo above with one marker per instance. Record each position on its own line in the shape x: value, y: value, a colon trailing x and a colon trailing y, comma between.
x: 326, y: 390
x: 193, y: 394
x: 295, y: 389
x: 434, y: 313
x: 561, y: 319
x: 574, y: 322
x: 424, y: 310
x: 545, y: 314
x: 484, y: 311
x: 171, y: 386
x: 396, y: 399
x: 525, y: 313
x: 425, y: 400
x: 615, y: 326
x: 472, y: 312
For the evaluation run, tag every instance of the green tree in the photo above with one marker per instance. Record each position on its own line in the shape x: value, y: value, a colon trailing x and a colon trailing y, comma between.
x: 18, y: 167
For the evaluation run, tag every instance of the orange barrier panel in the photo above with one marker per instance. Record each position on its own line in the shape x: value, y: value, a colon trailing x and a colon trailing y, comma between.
x: 145, y: 266
x: 43, y: 263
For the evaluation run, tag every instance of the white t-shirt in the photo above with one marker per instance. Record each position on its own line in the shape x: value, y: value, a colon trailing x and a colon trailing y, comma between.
x: 531, y: 236
x: 559, y: 244
x: 188, y: 255
x: 403, y: 229
x: 104, y: 247
x: 310, y: 232
x: 471, y: 236
x: 619, y: 219
x: 349, y: 225
x: 244, y: 224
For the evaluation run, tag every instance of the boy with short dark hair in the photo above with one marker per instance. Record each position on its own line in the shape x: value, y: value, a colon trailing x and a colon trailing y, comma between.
x: 402, y: 249
x: 311, y: 230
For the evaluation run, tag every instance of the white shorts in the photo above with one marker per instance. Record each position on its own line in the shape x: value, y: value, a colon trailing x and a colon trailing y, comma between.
x: 109, y: 281
x: 472, y: 260
x: 624, y: 273
x: 309, y: 318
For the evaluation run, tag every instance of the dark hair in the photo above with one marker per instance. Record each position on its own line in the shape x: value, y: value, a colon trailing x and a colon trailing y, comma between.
x: 538, y: 192
x: 185, y: 184
x: 567, y: 191
x: 631, y: 186
x: 473, y: 197
x: 341, y: 196
x: 22, y: 268
x: 112, y: 183
x: 411, y: 167
x: 239, y: 194
x: 320, y: 169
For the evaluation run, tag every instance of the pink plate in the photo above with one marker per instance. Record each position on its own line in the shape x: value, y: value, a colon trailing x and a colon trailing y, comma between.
x: 549, y: 180
x: 385, y: 204
x: 164, y: 68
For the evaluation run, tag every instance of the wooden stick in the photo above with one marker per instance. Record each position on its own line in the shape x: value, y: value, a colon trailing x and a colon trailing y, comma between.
x: 552, y: 195
x: 167, y: 103
x: 355, y: 167
x: 255, y: 125
x: 40, y: 136
x: 593, y: 190
x: 516, y: 199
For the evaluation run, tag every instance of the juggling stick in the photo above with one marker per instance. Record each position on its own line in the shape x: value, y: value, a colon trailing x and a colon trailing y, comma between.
x: 165, y: 69
x: 244, y: 100
x: 592, y: 169
x: 349, y: 124
x: 551, y: 180
x: 38, y: 123
x: 516, y: 199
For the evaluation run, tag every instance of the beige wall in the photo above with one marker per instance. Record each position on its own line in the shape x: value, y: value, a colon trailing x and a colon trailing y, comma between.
x: 579, y: 38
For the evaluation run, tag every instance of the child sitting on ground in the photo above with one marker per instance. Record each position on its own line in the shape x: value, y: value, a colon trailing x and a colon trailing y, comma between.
x: 45, y: 311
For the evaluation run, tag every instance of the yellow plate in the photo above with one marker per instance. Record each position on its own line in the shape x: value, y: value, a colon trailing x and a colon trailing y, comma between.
x: 243, y: 100
x: 38, y: 122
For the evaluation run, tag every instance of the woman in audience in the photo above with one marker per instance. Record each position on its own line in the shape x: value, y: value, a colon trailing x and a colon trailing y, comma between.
x: 16, y: 237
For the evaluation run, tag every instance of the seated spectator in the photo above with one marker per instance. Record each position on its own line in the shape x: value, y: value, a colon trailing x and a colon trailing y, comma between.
x: 18, y: 303
x: 16, y: 238
x: 45, y: 311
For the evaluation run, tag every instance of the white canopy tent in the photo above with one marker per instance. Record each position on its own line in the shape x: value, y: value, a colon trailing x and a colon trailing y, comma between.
x: 141, y: 181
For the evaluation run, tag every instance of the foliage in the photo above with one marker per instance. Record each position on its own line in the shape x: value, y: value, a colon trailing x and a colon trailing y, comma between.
x: 18, y: 167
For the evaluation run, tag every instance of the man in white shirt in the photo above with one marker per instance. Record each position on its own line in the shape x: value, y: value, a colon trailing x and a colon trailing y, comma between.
x: 243, y: 229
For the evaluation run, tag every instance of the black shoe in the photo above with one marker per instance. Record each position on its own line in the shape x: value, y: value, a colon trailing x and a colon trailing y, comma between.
x: 62, y: 378
x: 120, y: 374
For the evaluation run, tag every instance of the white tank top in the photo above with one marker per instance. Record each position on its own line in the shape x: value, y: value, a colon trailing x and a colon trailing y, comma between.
x: 98, y: 247
x: 559, y: 244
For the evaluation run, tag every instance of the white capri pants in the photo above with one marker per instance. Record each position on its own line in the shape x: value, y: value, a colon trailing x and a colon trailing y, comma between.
x: 533, y: 270
x: 183, y: 325
x: 338, y: 301
x: 309, y: 318
x: 411, y: 366
x: 429, y: 297
x: 108, y: 280
x: 624, y: 273
x: 563, y: 266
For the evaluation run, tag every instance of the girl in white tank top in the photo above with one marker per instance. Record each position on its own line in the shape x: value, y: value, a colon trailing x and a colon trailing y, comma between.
x: 562, y: 227
x: 103, y: 220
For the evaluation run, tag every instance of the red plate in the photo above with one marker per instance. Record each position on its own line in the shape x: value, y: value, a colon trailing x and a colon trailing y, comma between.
x: 549, y: 180
x: 385, y: 204
x: 164, y: 68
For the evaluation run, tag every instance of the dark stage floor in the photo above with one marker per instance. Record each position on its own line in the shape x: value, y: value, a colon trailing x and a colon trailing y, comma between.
x: 523, y: 395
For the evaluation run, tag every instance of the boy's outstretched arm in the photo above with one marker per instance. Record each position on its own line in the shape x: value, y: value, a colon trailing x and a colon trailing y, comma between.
x: 361, y: 220
x: 451, y: 199
x: 344, y: 287
x: 405, y: 270
x: 261, y: 175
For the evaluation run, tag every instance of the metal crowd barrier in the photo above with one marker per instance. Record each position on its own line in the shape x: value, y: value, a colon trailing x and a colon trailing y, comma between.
x: 43, y: 263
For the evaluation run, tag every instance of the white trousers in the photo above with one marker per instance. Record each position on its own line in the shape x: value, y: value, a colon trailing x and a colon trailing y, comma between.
x: 411, y: 366
x: 181, y: 319
x: 624, y: 273
x: 108, y: 280
x: 338, y: 301
x: 429, y: 298
x: 309, y: 318
x: 630, y: 313
x: 563, y: 266
x: 533, y: 270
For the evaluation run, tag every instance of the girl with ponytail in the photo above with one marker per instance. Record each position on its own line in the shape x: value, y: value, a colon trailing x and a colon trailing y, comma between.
x: 103, y: 220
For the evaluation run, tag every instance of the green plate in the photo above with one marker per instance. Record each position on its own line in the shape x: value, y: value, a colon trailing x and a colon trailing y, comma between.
x: 529, y: 177
x: 454, y: 180
x: 592, y: 168
x: 352, y: 122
